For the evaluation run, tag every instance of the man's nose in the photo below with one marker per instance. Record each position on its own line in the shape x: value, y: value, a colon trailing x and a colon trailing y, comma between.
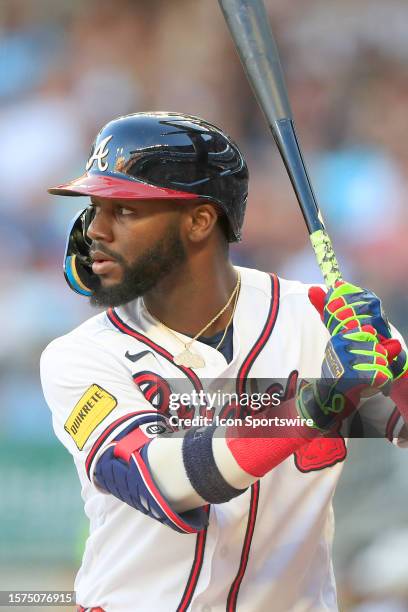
x: 100, y: 227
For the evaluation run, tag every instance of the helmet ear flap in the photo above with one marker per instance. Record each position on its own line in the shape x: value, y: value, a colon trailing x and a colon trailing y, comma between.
x: 77, y: 262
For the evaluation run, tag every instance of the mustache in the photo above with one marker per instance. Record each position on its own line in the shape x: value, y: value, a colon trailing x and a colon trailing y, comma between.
x: 98, y: 246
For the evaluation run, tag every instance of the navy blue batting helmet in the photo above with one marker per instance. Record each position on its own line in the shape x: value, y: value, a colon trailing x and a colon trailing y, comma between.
x: 156, y: 156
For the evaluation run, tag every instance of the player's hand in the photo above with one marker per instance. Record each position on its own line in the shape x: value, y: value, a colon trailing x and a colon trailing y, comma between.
x: 356, y: 364
x: 346, y: 306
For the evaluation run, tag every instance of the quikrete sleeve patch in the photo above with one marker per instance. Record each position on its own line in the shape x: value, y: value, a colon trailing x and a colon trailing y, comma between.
x: 93, y: 407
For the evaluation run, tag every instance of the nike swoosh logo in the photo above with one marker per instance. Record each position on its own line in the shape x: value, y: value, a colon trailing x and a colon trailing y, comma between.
x: 136, y: 356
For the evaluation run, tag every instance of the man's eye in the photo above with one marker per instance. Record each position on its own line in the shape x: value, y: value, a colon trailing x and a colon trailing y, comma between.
x: 124, y: 211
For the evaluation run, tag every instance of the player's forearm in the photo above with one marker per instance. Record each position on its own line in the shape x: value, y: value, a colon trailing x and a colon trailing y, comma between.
x: 167, y: 468
x: 168, y: 471
x: 191, y: 474
x: 214, y: 464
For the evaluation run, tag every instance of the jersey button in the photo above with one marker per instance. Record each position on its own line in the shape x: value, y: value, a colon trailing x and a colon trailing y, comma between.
x: 223, y: 551
x: 206, y: 608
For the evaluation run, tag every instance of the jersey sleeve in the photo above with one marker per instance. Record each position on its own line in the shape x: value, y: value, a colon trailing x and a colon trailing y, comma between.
x: 92, y: 397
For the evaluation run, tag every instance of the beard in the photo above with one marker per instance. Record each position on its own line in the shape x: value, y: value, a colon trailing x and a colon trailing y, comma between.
x: 144, y: 274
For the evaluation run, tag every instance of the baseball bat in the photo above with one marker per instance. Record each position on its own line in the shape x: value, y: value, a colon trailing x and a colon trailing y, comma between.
x: 249, y: 26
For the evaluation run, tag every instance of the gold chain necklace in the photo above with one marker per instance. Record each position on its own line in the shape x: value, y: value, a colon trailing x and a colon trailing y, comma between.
x: 187, y: 358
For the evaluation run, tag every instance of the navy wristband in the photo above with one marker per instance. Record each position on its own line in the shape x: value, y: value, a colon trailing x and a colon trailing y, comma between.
x: 201, y: 469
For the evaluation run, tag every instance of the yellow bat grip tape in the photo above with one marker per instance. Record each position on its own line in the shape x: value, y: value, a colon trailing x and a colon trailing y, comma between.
x: 326, y: 258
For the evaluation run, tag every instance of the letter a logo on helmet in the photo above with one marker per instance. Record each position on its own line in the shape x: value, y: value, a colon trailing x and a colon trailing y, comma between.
x: 98, y: 154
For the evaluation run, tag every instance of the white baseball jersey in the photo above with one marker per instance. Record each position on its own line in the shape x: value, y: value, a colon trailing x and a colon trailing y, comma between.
x: 268, y: 548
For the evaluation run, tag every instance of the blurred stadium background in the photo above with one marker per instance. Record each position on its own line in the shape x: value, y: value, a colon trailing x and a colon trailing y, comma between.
x: 69, y: 66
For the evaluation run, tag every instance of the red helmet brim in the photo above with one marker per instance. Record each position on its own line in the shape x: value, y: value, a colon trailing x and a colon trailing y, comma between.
x: 118, y: 188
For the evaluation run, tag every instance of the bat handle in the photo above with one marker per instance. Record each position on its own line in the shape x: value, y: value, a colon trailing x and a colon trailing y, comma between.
x: 285, y: 137
x: 326, y: 259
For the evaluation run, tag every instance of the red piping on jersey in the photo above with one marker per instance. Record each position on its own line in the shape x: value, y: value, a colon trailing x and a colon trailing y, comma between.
x: 264, y: 336
x: 195, y: 569
x: 253, y: 509
x: 391, y: 423
x: 241, y: 380
x: 97, y: 445
x: 126, y: 329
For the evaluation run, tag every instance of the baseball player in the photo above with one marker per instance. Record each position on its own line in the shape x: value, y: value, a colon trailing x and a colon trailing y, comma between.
x: 196, y: 503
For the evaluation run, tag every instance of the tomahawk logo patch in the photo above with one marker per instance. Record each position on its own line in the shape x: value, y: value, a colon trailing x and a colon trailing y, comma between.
x: 93, y: 407
x: 98, y: 155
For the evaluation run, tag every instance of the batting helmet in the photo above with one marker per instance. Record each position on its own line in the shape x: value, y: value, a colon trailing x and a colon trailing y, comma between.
x: 157, y: 156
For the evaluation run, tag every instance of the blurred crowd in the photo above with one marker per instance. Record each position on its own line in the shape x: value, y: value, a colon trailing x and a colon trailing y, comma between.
x: 69, y: 66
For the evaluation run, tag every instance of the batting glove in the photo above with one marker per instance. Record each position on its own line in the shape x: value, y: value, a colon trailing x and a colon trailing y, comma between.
x: 346, y: 307
x: 349, y: 307
x: 355, y: 364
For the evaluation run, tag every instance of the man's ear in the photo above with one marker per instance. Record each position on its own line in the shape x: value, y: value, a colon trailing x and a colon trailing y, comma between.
x: 200, y: 221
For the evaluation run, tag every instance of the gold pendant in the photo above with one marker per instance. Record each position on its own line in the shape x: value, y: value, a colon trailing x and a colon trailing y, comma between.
x: 189, y: 360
